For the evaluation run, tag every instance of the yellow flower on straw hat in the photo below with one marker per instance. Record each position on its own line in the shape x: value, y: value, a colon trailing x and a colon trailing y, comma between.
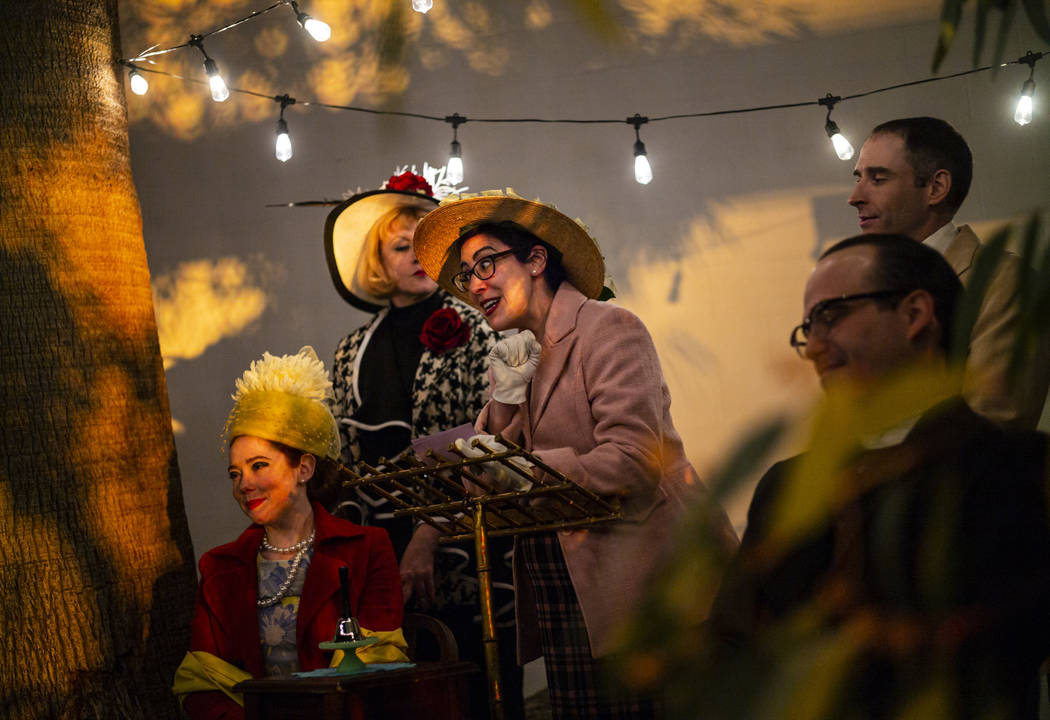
x: 437, y: 232
x: 283, y: 399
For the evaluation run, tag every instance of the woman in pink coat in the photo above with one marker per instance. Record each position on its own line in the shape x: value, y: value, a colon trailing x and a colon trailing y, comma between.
x: 580, y: 386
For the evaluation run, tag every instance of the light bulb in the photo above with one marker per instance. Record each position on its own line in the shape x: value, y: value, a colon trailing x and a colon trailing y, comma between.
x: 139, y: 86
x: 842, y: 147
x: 421, y: 6
x: 454, y: 167
x: 643, y: 172
x: 1023, y: 113
x: 283, y: 146
x: 454, y: 170
x: 318, y: 29
x: 219, y: 91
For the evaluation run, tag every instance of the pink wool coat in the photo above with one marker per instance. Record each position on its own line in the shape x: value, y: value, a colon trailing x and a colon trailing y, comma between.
x: 598, y: 411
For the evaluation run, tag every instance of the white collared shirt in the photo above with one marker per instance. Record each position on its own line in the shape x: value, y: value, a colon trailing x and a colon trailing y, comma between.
x: 890, y: 437
x: 942, y: 238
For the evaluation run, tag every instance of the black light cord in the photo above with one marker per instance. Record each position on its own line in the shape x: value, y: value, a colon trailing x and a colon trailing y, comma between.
x: 458, y: 119
x: 829, y: 101
x: 251, y: 16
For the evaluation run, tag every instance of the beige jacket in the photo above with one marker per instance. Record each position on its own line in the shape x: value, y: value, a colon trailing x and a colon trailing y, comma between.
x: 988, y: 390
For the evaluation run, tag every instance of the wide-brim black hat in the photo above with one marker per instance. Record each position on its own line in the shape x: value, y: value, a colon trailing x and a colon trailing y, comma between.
x: 345, y: 231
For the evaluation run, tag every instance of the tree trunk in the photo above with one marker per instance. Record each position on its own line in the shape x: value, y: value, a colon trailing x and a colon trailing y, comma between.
x: 96, y: 572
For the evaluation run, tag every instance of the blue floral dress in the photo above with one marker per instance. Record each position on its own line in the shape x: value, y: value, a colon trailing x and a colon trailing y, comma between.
x: 277, y: 622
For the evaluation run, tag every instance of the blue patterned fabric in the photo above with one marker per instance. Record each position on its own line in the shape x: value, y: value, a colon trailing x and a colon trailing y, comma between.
x: 277, y: 622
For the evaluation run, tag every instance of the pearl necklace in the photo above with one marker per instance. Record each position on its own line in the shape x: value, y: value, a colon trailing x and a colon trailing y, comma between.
x: 299, y: 549
x: 301, y: 545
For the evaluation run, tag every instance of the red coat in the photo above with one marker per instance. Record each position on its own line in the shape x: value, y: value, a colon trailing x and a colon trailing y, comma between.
x: 226, y: 620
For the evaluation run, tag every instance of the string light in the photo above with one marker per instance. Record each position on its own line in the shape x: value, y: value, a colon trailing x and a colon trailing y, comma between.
x: 842, y: 146
x: 139, y: 84
x: 643, y: 172
x: 219, y: 91
x: 1023, y: 113
x: 319, y: 31
x: 454, y: 166
x: 283, y: 145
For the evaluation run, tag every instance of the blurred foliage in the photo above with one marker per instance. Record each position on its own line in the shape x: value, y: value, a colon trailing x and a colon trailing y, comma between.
x: 805, y: 662
x: 951, y: 16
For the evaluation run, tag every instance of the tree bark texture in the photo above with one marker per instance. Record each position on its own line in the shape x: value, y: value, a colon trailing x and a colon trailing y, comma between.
x: 96, y: 569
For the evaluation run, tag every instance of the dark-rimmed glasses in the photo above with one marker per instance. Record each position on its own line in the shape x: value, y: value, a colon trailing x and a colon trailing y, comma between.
x: 826, y: 313
x: 483, y: 269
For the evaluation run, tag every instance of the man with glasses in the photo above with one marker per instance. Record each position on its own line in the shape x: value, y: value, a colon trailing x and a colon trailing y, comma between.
x: 912, y: 175
x: 926, y: 558
x: 858, y: 285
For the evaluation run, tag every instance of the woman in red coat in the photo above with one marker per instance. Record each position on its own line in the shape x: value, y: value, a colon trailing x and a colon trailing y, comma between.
x: 267, y: 599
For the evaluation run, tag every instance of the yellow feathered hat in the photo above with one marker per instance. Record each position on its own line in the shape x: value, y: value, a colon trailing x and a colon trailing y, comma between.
x: 284, y: 399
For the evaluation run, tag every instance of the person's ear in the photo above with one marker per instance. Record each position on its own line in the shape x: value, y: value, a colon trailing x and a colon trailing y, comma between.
x: 939, y: 187
x: 537, y: 260
x: 918, y: 311
x: 306, y: 468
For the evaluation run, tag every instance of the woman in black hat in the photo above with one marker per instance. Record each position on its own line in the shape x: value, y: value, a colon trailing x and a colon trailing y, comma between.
x: 417, y: 367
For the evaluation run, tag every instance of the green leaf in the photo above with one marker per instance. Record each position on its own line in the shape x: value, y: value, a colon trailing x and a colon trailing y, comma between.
x: 596, y: 14
x: 1041, y: 295
x: 1036, y: 12
x: 746, y: 456
x: 392, y: 36
x: 981, y: 23
x: 1007, y: 19
x: 988, y: 258
x: 1032, y: 322
x: 951, y: 12
x: 811, y: 676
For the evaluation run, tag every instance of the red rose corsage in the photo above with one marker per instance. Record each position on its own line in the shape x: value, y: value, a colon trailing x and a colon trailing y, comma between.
x: 444, y: 330
x: 409, y: 181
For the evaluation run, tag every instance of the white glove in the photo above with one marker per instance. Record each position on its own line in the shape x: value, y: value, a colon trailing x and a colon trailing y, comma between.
x: 512, y: 363
x: 501, y: 477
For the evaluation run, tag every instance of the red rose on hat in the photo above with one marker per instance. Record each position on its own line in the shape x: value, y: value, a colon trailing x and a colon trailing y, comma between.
x: 409, y: 181
x: 444, y: 330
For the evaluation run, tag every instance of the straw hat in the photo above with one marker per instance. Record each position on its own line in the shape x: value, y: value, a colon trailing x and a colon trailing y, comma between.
x: 345, y: 230
x: 438, y: 231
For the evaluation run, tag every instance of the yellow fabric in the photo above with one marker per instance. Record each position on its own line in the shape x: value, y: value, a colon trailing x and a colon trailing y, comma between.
x: 391, y: 647
x: 299, y: 422
x: 201, y: 672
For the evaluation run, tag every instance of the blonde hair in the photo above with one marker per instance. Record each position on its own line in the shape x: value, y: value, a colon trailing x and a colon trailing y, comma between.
x: 372, y: 277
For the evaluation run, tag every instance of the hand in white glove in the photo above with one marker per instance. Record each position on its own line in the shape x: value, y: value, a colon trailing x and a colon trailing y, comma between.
x: 500, y: 477
x: 512, y: 362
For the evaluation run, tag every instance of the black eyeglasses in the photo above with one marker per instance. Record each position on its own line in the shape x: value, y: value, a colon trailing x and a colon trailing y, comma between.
x: 483, y: 269
x: 826, y: 313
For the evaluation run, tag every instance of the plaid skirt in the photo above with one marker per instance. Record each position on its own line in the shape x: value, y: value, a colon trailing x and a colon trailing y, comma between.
x: 578, y: 684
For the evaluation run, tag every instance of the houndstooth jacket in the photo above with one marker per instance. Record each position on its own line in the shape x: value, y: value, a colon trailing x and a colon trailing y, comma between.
x: 450, y: 388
